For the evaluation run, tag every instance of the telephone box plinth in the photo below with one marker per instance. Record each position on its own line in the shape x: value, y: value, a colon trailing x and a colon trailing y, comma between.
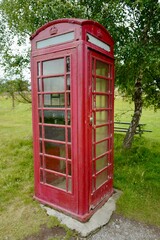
x: 72, y: 69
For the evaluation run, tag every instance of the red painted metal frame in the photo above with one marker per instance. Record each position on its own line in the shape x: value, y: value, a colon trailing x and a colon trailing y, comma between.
x: 81, y: 203
x: 106, y: 190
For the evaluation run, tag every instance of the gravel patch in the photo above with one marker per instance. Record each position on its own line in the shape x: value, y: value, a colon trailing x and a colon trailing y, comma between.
x: 120, y: 228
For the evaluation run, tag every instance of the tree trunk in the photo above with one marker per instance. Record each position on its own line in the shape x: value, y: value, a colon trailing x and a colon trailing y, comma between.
x: 127, y: 143
x: 13, y: 100
x: 25, y: 97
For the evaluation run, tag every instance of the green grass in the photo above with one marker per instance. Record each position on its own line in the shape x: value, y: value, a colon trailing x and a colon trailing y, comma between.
x: 124, y: 112
x: 136, y: 173
x: 20, y: 215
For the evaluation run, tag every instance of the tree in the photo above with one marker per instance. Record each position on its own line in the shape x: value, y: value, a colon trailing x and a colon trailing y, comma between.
x: 16, y: 82
x: 29, y: 15
x: 22, y: 22
x: 15, y: 88
x: 134, y: 26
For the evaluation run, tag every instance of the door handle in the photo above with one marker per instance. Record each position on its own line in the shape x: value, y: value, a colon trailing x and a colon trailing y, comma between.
x: 91, y: 120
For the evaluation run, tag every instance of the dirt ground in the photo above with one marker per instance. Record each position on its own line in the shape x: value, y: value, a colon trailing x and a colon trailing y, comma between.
x: 119, y: 228
x: 48, y: 233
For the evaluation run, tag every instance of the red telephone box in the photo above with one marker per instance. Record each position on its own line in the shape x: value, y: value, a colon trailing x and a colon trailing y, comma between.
x: 72, y: 67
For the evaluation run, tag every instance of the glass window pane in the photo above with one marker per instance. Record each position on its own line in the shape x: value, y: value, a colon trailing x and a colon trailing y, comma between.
x: 40, y: 101
x: 93, y: 185
x: 54, y: 100
x: 69, y: 184
x: 69, y: 168
x: 102, y: 85
x: 102, y: 68
x: 110, y: 90
x: 68, y: 118
x: 41, y: 161
x: 38, y: 69
x: 101, y: 101
x: 68, y: 64
x: 93, y: 135
x: 52, y: 67
x: 110, y: 101
x: 93, y: 150
x: 54, y: 117
x: 56, y: 180
x: 101, y: 133
x: 68, y: 83
x: 101, y: 178
x: 56, y: 40
x: 40, y: 116
x: 93, y: 167
x: 55, y: 164
x: 40, y: 131
x: 68, y: 100
x: 55, y: 149
x: 40, y: 146
x: 69, y: 134
x: 101, y: 148
x: 93, y: 84
x: 69, y: 151
x: 54, y: 133
x: 41, y: 176
x: 54, y: 84
x: 101, y: 163
x: 101, y: 117
x: 48, y: 100
x: 93, y: 66
x: 39, y: 85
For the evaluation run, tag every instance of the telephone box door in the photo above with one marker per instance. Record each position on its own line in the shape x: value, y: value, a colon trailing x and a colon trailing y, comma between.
x: 54, y: 172
x: 101, y: 127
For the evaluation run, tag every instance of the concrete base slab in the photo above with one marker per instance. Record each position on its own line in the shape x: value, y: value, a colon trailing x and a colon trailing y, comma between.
x: 99, y: 219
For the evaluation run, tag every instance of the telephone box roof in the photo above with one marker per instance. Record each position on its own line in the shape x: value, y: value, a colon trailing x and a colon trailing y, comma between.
x: 77, y: 21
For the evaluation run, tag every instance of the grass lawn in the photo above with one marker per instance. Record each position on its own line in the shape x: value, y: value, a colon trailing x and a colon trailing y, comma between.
x: 20, y: 215
x: 136, y: 173
x: 124, y: 112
